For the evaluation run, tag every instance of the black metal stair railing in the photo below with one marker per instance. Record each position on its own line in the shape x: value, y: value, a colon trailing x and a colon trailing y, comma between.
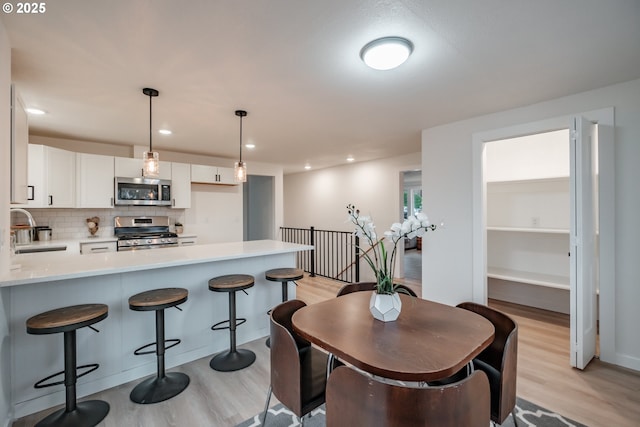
x: 335, y: 254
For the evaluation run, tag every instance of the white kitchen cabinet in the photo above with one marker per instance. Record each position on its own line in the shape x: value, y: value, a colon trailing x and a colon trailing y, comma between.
x: 61, y: 178
x: 180, y: 185
x: 52, y: 177
x: 203, y: 174
x: 94, y: 179
x: 132, y: 168
x: 19, y: 149
x: 98, y: 247
x: 225, y: 176
x: 187, y: 240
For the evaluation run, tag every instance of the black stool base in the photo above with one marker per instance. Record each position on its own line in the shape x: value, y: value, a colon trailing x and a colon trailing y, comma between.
x: 232, y: 360
x: 154, y: 390
x: 268, y: 342
x: 86, y: 414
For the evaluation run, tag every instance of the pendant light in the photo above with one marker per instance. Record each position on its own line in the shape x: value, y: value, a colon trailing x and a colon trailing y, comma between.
x: 151, y: 158
x: 240, y: 169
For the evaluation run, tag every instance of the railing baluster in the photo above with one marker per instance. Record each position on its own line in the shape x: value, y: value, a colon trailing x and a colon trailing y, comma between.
x: 335, y: 255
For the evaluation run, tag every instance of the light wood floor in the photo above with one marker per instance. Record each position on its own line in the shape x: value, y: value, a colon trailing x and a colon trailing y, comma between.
x: 601, y: 395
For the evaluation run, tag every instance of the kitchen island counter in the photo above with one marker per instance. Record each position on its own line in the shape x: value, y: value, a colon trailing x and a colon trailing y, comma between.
x: 48, y: 266
x: 56, y: 279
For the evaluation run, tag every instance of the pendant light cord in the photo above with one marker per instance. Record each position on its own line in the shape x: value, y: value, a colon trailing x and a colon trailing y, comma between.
x: 150, y: 127
x: 240, y: 139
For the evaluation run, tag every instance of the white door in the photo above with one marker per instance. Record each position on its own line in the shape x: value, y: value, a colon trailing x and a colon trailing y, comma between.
x: 583, y: 254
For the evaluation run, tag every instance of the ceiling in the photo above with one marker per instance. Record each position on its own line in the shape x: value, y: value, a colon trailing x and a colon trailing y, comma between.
x: 295, y: 67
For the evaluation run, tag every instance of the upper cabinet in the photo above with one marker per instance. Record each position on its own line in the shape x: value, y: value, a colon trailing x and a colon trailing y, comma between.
x: 180, y: 185
x: 19, y: 149
x: 94, y: 178
x: 51, y: 177
x: 132, y: 168
x: 202, y: 174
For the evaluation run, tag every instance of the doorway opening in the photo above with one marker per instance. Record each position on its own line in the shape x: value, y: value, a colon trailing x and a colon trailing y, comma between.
x: 412, y: 204
x: 258, y: 195
x: 528, y: 220
x: 590, y: 263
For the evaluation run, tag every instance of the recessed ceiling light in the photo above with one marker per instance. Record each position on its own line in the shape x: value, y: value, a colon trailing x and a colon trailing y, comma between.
x: 35, y: 111
x: 250, y: 146
x: 307, y: 166
x: 165, y: 131
x: 386, y: 53
x: 350, y: 159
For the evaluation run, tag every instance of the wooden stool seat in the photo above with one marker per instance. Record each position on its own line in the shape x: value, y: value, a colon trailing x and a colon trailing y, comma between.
x: 284, y: 274
x: 158, y: 299
x: 66, y: 318
x: 231, y: 283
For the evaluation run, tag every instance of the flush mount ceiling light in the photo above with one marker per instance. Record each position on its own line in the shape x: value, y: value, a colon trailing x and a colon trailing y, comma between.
x: 386, y: 53
x: 165, y: 132
x: 151, y: 158
x: 240, y: 168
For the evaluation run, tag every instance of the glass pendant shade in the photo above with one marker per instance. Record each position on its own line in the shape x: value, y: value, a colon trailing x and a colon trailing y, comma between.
x: 151, y: 164
x: 151, y: 167
x: 240, y: 168
x: 240, y: 172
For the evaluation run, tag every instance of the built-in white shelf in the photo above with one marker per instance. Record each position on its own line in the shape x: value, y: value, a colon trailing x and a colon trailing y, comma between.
x: 548, y: 280
x: 530, y: 230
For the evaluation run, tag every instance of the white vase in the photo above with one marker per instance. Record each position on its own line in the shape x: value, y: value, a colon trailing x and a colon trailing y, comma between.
x: 385, y: 307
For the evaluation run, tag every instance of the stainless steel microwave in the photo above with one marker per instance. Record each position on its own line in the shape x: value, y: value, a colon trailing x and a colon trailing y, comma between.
x: 142, y: 191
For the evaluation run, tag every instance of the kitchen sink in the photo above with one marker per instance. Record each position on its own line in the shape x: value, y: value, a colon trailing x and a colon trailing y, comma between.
x: 35, y: 249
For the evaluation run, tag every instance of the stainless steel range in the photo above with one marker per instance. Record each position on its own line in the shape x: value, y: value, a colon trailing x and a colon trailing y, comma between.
x: 144, y: 232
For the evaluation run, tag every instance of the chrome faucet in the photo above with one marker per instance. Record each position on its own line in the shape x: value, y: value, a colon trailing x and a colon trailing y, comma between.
x: 32, y: 222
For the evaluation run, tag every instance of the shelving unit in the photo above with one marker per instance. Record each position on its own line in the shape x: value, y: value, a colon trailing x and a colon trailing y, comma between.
x: 528, y: 242
x: 529, y: 230
x: 539, y: 279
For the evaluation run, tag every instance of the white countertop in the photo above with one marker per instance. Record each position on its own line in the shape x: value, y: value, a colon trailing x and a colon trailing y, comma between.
x: 50, y: 266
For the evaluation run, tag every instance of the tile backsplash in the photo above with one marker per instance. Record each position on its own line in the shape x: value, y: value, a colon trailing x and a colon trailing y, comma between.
x: 72, y: 223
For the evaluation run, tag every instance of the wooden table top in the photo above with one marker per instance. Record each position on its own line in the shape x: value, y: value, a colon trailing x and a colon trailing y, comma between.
x: 428, y: 341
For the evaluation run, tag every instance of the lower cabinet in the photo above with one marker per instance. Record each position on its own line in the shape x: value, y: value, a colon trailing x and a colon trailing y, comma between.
x: 98, y: 247
x: 187, y: 240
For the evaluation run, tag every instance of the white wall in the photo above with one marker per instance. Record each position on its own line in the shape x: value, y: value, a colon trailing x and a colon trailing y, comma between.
x: 448, y: 188
x: 5, y: 151
x: 319, y: 198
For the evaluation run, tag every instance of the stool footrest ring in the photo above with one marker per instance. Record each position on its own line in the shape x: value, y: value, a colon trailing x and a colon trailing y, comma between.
x: 138, y: 351
x: 90, y: 368
x: 217, y: 327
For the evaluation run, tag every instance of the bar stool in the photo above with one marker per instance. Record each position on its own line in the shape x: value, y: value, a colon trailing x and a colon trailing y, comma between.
x: 233, y: 359
x: 165, y: 385
x: 68, y: 320
x: 283, y: 275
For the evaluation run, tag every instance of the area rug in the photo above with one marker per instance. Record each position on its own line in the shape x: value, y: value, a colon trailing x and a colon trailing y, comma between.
x: 528, y: 414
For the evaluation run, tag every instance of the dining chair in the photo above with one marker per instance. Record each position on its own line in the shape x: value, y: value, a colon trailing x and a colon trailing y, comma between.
x: 298, y: 370
x: 355, y: 399
x: 499, y: 361
x: 370, y: 286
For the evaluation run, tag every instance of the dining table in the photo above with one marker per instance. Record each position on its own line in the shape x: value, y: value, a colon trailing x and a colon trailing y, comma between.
x: 429, y: 341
